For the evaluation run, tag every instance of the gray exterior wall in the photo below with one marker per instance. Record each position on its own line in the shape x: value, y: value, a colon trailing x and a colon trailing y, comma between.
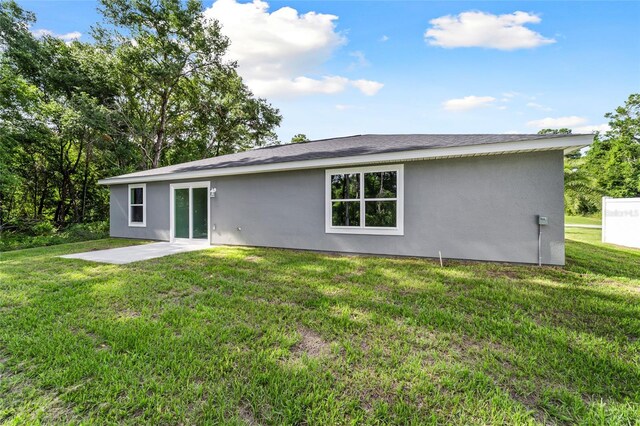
x: 480, y: 208
x: 157, y: 213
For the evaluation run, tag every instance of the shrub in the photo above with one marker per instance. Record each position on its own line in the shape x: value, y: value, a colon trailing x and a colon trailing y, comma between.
x: 41, y: 229
x: 44, y: 234
x: 87, y: 231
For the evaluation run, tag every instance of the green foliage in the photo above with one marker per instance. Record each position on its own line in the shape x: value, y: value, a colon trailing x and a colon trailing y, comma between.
x: 614, y: 158
x: 43, y: 233
x: 300, y: 137
x: 562, y: 131
x: 582, y: 196
x: 42, y: 229
x: 610, y: 167
x: 153, y: 90
x: 181, y: 101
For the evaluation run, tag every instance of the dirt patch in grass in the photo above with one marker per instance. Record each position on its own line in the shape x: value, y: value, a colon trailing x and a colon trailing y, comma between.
x: 503, y: 273
x: 346, y: 277
x: 128, y: 314
x: 180, y: 297
x: 99, y: 343
x: 311, y: 343
x: 21, y: 398
x: 246, y: 414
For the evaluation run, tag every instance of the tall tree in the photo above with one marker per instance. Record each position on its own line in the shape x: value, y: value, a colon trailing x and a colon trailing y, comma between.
x: 614, y: 158
x: 56, y: 113
x: 177, y: 90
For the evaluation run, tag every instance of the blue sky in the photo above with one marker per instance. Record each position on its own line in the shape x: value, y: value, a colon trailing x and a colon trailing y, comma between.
x: 337, y: 68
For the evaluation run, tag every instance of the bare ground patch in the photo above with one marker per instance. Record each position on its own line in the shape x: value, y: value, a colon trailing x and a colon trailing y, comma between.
x: 22, y: 399
x: 128, y: 314
x: 509, y: 274
x: 246, y: 414
x: 311, y: 344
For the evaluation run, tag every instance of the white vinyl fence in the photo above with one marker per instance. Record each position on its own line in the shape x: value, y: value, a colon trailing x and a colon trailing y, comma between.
x: 621, y: 221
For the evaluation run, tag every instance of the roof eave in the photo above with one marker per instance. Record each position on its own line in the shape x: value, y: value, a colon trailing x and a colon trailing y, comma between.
x: 567, y: 144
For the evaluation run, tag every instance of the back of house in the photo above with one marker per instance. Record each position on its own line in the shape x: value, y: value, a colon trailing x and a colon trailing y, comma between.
x: 477, y: 197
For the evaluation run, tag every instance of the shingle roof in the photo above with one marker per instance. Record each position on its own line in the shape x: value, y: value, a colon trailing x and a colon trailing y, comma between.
x: 347, y: 146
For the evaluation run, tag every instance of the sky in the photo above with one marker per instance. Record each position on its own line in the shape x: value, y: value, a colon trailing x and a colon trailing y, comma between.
x: 337, y: 68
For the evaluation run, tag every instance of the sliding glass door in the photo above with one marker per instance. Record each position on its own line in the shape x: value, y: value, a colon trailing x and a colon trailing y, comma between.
x: 200, y: 197
x: 181, y: 213
x: 190, y: 210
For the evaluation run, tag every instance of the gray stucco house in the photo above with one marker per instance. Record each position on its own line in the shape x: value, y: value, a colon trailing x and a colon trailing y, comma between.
x: 465, y: 196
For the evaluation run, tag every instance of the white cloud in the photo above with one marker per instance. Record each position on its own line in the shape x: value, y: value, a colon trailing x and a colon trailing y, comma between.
x: 278, y: 51
x: 592, y: 128
x: 539, y: 107
x: 384, y: 38
x: 367, y: 87
x: 557, y: 123
x: 300, y: 86
x: 67, y: 37
x: 467, y: 103
x: 360, y: 60
x: 480, y: 29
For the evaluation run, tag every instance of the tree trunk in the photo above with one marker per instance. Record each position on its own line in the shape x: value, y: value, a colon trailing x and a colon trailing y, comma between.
x: 43, y: 195
x: 85, y: 180
x: 158, y: 146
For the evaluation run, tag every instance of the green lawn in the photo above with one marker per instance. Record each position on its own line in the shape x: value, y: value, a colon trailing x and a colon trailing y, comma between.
x: 263, y: 336
x: 582, y: 220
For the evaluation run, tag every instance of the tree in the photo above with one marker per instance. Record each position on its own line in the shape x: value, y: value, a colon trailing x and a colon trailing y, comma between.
x: 177, y: 92
x: 562, y: 131
x: 154, y: 89
x: 614, y: 158
x: 581, y: 192
x: 53, y: 111
x: 300, y: 137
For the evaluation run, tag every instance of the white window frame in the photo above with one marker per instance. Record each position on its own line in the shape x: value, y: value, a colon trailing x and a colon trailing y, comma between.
x: 144, y: 204
x: 172, y: 209
x: 362, y: 229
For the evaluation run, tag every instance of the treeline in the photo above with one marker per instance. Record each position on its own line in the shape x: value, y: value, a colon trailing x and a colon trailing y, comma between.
x: 610, y: 167
x: 151, y: 89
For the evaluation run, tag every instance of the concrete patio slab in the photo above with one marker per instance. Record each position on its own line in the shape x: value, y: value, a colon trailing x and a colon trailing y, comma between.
x: 123, y: 255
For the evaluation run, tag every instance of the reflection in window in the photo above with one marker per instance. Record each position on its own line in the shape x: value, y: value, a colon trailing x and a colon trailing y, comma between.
x: 380, y: 185
x: 372, y: 199
x: 345, y: 187
x: 345, y: 213
x: 137, y: 205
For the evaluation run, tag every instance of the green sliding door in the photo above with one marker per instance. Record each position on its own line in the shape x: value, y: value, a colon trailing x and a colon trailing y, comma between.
x: 190, y: 212
x: 181, y: 213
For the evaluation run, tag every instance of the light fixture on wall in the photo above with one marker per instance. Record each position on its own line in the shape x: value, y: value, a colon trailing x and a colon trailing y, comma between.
x: 213, y: 192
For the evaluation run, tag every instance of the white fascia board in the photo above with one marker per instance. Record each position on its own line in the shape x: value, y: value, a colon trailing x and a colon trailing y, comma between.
x: 567, y: 144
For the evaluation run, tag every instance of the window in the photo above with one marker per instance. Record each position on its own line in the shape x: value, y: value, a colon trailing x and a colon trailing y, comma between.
x: 365, y: 200
x: 138, y: 205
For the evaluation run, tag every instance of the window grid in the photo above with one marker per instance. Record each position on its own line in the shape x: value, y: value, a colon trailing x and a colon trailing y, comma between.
x: 362, y: 227
x: 131, y: 204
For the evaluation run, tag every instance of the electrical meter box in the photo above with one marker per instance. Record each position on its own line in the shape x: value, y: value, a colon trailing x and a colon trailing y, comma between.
x: 543, y: 220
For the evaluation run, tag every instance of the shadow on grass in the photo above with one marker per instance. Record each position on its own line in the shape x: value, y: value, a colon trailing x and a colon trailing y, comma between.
x: 603, y: 260
x: 157, y: 339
